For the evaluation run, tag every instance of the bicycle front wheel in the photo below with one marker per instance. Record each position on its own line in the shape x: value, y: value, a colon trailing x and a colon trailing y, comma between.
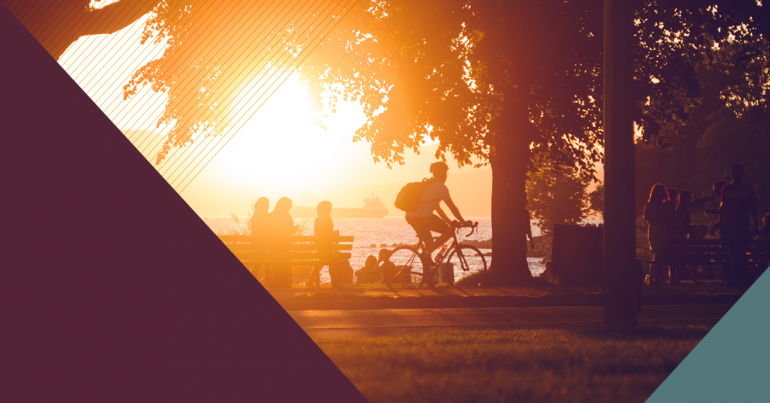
x: 468, y: 265
x: 409, y: 266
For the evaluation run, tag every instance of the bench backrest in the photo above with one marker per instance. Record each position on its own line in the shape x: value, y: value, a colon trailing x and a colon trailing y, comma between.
x: 296, y: 248
x: 712, y: 251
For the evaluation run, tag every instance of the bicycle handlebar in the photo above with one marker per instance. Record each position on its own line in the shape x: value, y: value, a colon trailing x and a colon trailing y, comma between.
x: 473, y: 226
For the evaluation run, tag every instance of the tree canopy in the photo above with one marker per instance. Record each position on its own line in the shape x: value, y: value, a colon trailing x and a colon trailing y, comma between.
x: 724, y: 129
x: 510, y: 83
x: 506, y: 82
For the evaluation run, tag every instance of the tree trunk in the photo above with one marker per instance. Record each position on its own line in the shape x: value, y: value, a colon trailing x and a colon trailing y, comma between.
x: 510, y: 159
x: 58, y: 24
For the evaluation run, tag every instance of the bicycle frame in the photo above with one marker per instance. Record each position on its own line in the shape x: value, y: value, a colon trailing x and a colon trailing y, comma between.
x: 446, y: 250
x: 452, y: 245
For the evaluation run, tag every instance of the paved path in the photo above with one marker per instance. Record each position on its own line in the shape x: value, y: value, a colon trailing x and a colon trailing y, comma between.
x: 381, y: 297
x: 351, y: 323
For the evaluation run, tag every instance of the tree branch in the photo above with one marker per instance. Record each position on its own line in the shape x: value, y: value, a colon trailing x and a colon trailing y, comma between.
x: 116, y: 16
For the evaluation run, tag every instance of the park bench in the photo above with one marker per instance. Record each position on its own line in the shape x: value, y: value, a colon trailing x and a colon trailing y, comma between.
x: 301, y: 250
x: 711, y: 252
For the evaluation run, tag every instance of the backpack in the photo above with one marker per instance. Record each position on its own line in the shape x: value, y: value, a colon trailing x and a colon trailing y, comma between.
x: 410, y: 196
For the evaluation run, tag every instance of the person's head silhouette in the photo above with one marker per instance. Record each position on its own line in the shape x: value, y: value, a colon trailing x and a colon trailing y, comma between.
x: 371, y: 262
x: 262, y: 205
x: 658, y: 194
x: 685, y: 197
x: 439, y: 170
x: 324, y: 208
x: 718, y: 185
x: 737, y: 172
x: 283, y: 205
x: 384, y: 254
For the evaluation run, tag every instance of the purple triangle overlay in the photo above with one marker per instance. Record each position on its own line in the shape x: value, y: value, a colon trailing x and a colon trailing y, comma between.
x: 111, y: 287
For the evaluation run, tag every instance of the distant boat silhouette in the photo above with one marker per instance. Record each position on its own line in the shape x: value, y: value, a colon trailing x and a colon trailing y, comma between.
x: 373, y: 208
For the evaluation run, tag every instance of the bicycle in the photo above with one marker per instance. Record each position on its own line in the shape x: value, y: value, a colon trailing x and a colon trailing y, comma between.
x: 412, y: 268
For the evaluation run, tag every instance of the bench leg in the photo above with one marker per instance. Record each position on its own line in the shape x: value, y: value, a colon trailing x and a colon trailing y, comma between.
x: 314, y: 279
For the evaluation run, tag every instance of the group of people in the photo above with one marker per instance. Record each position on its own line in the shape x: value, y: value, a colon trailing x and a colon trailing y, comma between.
x: 279, y: 225
x: 377, y: 269
x: 668, y: 218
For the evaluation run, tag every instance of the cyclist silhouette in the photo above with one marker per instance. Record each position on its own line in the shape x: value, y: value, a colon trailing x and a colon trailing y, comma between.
x: 424, y: 221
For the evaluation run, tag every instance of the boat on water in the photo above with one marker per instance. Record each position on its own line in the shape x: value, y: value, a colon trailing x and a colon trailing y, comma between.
x: 373, y: 208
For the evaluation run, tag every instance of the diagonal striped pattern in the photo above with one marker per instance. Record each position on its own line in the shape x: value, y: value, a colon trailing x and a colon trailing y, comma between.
x: 205, y: 68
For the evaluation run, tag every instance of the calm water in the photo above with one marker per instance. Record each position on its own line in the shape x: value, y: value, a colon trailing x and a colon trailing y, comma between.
x: 372, y: 234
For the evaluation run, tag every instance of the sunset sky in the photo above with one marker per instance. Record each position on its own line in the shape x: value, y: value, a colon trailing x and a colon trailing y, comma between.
x: 278, y: 151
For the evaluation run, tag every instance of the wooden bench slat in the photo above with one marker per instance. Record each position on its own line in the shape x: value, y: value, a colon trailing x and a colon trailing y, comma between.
x: 300, y: 247
x: 292, y: 255
x: 303, y: 250
x: 294, y: 238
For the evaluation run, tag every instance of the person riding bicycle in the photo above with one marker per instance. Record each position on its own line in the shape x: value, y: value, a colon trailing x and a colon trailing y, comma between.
x: 424, y: 221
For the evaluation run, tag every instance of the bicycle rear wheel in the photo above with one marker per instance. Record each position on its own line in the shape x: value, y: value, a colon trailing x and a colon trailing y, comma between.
x: 409, y: 264
x: 468, y: 264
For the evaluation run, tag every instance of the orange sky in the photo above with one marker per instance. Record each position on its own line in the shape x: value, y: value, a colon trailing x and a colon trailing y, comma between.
x: 279, y: 151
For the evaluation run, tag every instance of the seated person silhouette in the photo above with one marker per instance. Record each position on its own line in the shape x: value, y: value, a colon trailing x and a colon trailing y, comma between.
x: 259, y: 224
x: 281, y: 227
x: 386, y: 270
x: 324, y: 227
x: 365, y: 275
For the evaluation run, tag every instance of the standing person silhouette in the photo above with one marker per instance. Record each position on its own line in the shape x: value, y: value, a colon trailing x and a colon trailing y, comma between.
x: 685, y: 221
x: 718, y: 185
x: 717, y: 193
x: 281, y: 228
x: 424, y: 221
x: 260, y: 223
x: 738, y: 205
x: 659, y: 213
x: 674, y: 231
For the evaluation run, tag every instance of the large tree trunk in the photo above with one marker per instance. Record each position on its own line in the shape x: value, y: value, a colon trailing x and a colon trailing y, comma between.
x: 58, y: 24
x: 510, y: 159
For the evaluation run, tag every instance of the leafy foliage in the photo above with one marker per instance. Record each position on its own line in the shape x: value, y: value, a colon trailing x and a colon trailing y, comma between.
x: 440, y: 70
x: 557, y: 196
x: 444, y: 77
x: 218, y: 53
x: 596, y: 200
x: 509, y: 83
x: 728, y: 127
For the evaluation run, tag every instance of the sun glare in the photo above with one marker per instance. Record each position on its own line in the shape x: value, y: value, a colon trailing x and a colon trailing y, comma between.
x: 281, y: 146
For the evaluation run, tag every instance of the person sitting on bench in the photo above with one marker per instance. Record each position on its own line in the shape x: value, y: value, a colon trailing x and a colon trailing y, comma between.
x: 260, y: 222
x: 281, y: 227
x: 324, y: 227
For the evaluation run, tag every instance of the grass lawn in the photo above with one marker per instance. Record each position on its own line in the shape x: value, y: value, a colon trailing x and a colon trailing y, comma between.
x: 521, y: 365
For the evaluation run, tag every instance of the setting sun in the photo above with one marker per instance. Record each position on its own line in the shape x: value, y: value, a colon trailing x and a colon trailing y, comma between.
x: 282, y: 146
